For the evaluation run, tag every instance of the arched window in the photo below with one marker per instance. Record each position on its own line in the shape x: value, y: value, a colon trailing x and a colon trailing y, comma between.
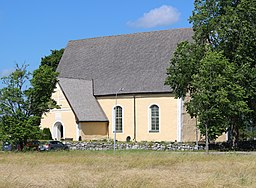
x: 119, y: 119
x: 154, y: 118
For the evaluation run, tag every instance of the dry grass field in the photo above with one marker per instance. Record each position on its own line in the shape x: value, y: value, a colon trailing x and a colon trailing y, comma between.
x: 126, y: 169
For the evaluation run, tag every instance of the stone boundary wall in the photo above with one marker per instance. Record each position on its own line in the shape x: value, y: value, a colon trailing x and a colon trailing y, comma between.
x: 154, y: 146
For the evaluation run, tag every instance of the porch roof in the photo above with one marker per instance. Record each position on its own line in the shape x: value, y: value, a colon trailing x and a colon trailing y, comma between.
x: 79, y: 94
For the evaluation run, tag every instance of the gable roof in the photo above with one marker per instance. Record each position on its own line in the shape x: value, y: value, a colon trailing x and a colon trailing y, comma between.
x: 136, y: 62
x: 80, y: 97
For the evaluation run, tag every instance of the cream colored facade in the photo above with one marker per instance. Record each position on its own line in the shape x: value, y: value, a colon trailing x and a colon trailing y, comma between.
x: 136, y: 116
x: 93, y: 130
x: 63, y: 116
x: 174, y: 123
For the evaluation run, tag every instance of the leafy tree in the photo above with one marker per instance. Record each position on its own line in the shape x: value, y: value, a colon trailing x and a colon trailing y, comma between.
x: 53, y: 59
x: 22, y: 103
x: 230, y: 26
x: 17, y: 123
x: 39, y: 95
x: 218, y: 100
x: 183, y: 66
x: 43, y: 84
x: 224, y: 33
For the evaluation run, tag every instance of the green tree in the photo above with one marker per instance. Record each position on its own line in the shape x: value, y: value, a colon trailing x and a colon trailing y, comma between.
x: 24, y: 100
x: 218, y: 100
x: 227, y: 28
x: 53, y: 59
x: 39, y: 95
x: 17, y: 123
x: 230, y: 26
x: 183, y: 65
x: 43, y: 84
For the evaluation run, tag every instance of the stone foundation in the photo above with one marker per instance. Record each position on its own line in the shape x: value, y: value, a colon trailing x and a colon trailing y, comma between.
x: 133, y: 146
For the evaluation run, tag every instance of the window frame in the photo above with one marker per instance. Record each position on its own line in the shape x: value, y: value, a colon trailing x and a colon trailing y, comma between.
x: 114, y: 119
x: 150, y: 119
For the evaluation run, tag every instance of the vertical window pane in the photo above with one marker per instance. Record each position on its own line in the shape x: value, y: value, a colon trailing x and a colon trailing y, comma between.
x: 118, y: 118
x: 154, y: 118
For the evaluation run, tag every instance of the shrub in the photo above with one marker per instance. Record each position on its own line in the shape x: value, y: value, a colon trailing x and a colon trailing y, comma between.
x: 46, y: 134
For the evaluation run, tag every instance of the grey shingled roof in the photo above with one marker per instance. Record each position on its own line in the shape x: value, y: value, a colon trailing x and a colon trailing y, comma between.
x: 136, y: 62
x: 80, y: 96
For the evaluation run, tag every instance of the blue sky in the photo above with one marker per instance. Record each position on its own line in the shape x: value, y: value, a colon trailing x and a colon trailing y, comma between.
x: 29, y: 29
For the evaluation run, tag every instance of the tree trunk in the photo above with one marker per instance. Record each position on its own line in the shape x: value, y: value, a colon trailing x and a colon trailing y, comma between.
x: 235, y: 135
x: 206, y: 140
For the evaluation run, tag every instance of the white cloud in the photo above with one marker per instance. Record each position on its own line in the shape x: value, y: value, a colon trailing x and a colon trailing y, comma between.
x: 162, y: 16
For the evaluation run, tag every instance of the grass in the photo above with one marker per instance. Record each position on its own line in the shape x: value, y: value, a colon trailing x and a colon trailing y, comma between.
x: 126, y: 169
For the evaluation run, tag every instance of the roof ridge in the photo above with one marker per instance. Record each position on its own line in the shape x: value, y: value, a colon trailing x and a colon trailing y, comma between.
x: 127, y: 34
